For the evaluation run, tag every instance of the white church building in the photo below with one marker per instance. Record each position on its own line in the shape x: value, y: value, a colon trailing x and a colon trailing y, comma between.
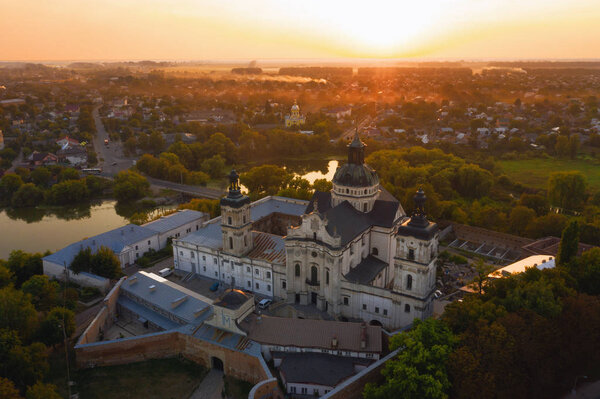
x: 351, y: 252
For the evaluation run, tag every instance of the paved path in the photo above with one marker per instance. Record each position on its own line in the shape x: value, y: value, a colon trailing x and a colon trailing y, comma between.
x: 210, y: 387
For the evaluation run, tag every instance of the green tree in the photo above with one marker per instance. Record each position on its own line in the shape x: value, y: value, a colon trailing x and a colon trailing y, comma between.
x: 419, y: 369
x: 573, y: 145
x: 482, y: 270
x: 562, y: 147
x: 24, y: 265
x: 567, y: 189
x: 17, y: 312
x: 68, y: 192
x: 6, y: 276
x: 42, y: 391
x: 265, y: 180
x: 536, y: 202
x: 82, y: 261
x: 105, y: 263
x: 51, y: 328
x: 28, y: 195
x: 68, y: 174
x: 473, y: 182
x: 322, y: 185
x: 130, y: 186
x: 586, y: 270
x: 8, y: 390
x: 214, y: 166
x: 569, y: 243
x: 9, y: 184
x: 519, y: 219
x: 44, y: 293
x: 41, y: 176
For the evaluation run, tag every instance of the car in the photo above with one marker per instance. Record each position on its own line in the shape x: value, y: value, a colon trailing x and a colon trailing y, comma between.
x: 214, y: 286
x: 165, y: 272
x: 437, y: 294
x: 263, y: 304
x: 114, y: 164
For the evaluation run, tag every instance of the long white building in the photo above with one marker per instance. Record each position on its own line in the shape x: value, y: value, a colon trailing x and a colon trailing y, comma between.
x: 351, y: 252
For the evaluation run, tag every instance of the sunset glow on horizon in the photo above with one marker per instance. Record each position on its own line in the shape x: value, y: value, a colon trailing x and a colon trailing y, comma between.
x: 198, y: 29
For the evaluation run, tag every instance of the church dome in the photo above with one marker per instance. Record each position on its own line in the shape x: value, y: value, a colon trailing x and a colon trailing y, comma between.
x: 355, y: 175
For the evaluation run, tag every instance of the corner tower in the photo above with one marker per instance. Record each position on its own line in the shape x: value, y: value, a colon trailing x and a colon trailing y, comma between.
x: 235, y: 219
x: 355, y: 181
x: 416, y: 254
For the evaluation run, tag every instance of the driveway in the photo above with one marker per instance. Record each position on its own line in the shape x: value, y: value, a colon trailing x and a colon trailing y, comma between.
x: 210, y: 387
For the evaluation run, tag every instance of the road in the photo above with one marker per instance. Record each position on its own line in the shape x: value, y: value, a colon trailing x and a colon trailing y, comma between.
x: 198, y: 191
x: 110, y: 157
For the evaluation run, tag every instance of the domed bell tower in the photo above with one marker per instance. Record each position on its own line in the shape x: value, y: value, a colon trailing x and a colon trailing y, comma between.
x: 416, y: 254
x: 235, y: 219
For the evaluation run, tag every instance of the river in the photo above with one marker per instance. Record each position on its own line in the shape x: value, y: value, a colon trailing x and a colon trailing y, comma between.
x: 41, y: 229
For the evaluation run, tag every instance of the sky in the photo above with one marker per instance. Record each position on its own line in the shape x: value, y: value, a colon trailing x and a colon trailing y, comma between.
x: 38, y: 30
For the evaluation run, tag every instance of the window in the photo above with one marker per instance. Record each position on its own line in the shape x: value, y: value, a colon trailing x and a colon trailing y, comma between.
x: 364, y: 306
x: 365, y: 207
x: 375, y: 251
x: 411, y: 254
x: 216, y: 274
x: 148, y: 242
x: 409, y: 282
x: 232, y: 268
x: 136, y: 248
x: 203, y: 257
x: 314, y: 274
x: 269, y: 287
x: 249, y: 284
x: 256, y: 271
x: 248, y: 269
x: 181, y: 253
x: 315, y: 236
x: 385, y: 312
x: 407, y: 308
x: 376, y: 309
x: 362, y: 240
x: 268, y: 274
x: 293, y: 389
x: 215, y: 260
x: 283, y: 285
x: 229, y: 220
x: 230, y: 243
x: 297, y: 271
x: 196, y: 227
x: 346, y: 301
x: 244, y: 219
x: 257, y: 286
x: 304, y: 390
x: 327, y: 277
x: 347, y: 191
x: 192, y: 254
x: 137, y: 255
x: 203, y: 268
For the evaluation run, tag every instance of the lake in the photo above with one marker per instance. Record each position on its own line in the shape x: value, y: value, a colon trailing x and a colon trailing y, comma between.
x: 46, y: 228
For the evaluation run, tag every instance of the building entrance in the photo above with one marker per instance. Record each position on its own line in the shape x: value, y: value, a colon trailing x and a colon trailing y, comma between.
x: 313, y: 298
x: 216, y: 363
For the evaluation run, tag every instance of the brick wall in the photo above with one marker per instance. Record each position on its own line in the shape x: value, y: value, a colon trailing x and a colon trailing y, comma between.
x: 267, y: 389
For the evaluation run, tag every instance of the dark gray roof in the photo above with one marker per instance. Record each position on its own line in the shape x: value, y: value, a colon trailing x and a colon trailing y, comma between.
x: 366, y: 271
x: 425, y: 232
x: 355, y: 175
x: 347, y: 221
x: 318, y: 368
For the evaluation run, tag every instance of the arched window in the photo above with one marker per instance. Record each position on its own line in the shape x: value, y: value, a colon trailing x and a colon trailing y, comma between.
x: 313, y: 274
x: 407, y: 308
x: 327, y: 277
x: 230, y: 242
x: 365, y: 190
x: 229, y: 220
x: 365, y: 207
x: 347, y: 191
x: 297, y: 269
x: 409, y: 282
x: 245, y: 241
x: 244, y: 219
x: 375, y: 251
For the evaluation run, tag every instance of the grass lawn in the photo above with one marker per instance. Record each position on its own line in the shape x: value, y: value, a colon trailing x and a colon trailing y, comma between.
x: 160, y: 379
x: 236, y: 389
x: 535, y: 172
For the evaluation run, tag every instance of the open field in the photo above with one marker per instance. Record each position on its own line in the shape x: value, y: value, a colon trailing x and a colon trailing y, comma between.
x: 535, y: 172
x: 164, y: 379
